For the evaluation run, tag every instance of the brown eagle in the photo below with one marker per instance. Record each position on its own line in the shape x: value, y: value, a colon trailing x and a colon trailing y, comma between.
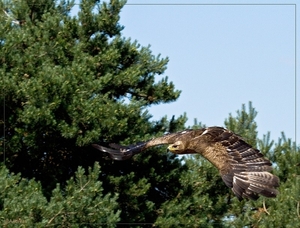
x: 242, y: 167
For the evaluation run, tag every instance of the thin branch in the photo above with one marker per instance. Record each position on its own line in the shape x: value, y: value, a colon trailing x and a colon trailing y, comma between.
x: 84, y: 186
x: 11, y: 18
x: 48, y: 223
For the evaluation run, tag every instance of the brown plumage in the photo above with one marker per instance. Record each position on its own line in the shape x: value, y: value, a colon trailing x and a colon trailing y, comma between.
x: 242, y: 168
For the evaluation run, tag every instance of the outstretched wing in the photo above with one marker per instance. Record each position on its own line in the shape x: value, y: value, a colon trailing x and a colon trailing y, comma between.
x: 243, y: 168
x: 120, y: 152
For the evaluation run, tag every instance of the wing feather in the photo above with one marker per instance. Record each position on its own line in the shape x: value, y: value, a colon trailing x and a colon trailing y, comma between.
x: 120, y: 152
x: 242, y: 167
x: 114, y: 154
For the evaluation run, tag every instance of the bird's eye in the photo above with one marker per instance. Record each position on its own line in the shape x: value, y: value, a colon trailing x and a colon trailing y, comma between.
x: 175, y: 146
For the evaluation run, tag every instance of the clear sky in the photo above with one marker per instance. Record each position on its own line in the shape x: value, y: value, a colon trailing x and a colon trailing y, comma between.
x: 223, y: 54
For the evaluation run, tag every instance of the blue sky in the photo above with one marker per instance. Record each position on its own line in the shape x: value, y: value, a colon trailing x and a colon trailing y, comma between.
x: 223, y: 56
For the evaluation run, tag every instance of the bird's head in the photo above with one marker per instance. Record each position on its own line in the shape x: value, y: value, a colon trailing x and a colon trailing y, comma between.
x: 177, y: 147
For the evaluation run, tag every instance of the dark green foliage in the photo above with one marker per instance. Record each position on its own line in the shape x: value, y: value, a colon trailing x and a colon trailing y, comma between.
x: 66, y: 82
x: 22, y: 201
x: 72, y: 81
x: 80, y: 204
x: 244, y: 124
x: 201, y: 200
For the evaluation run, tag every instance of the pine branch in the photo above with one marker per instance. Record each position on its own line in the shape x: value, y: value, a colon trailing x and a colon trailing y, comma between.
x: 13, y: 20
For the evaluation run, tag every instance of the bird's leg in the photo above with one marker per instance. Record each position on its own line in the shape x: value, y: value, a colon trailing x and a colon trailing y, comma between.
x: 265, y: 209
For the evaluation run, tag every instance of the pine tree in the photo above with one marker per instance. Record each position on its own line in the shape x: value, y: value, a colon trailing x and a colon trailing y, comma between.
x: 66, y: 82
x: 80, y: 203
x: 72, y: 81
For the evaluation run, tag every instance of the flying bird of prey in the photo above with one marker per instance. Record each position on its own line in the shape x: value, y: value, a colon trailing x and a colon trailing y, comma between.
x: 242, y: 167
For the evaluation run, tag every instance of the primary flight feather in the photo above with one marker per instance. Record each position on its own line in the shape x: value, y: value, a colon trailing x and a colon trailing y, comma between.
x: 242, y: 167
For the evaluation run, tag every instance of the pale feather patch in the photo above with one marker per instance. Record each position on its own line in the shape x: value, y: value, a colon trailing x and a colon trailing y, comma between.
x: 205, y: 132
x: 234, y: 180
